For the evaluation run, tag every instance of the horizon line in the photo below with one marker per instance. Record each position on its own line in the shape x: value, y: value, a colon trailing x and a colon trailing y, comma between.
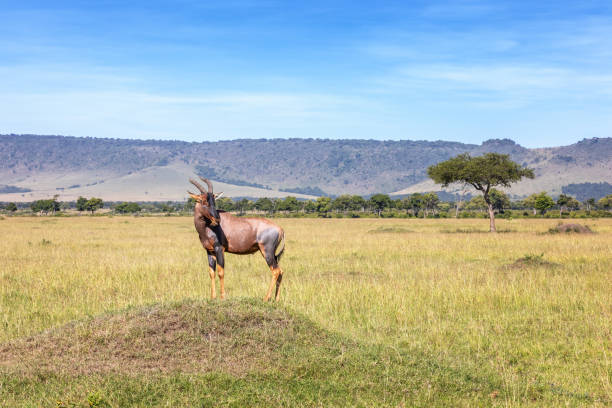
x: 297, y: 138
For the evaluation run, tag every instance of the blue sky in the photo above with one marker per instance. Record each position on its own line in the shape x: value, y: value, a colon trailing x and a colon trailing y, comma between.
x: 536, y: 72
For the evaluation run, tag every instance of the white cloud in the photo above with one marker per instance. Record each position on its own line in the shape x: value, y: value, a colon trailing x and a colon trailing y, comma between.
x: 146, y: 115
x: 510, y: 84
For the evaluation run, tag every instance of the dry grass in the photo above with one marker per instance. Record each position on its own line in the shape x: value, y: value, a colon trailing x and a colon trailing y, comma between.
x: 410, y: 286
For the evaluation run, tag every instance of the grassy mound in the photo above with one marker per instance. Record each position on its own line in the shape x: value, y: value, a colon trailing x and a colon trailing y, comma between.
x: 391, y: 230
x: 531, y: 261
x: 570, y: 228
x: 240, y: 352
x: 234, y: 337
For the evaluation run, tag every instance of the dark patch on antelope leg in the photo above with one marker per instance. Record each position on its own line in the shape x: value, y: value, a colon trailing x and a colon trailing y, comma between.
x: 268, y: 241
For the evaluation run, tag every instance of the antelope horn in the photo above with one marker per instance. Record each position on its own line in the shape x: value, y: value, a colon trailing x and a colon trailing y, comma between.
x: 219, y: 195
x: 208, y: 183
x: 198, y: 185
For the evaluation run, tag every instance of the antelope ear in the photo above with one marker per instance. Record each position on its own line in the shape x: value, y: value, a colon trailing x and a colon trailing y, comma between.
x: 218, y: 195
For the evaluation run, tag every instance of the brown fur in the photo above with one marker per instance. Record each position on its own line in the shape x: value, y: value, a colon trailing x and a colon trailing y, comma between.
x: 236, y: 235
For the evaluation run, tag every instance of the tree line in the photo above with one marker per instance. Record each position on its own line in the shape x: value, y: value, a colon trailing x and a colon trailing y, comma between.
x: 414, y: 205
x: 417, y: 204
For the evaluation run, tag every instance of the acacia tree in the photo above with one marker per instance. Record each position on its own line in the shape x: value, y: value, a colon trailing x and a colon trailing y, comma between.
x: 415, y: 202
x: 566, y: 202
x: 482, y: 173
x: 125, y: 208
x: 81, y: 203
x: 357, y: 203
x: 342, y: 203
x: 323, y: 205
x: 430, y: 202
x: 243, y: 205
x: 499, y: 199
x: 476, y: 204
x: 45, y: 206
x: 93, y: 204
x: 543, y: 202
x: 563, y: 202
x: 605, y: 203
x: 590, y: 203
x: 530, y: 201
x: 310, y: 207
x: 264, y: 204
x: 225, y: 204
x: 379, y: 202
x: 291, y: 204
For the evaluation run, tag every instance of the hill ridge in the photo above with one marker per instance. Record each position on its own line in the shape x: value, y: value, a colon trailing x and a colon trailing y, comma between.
x: 157, y: 170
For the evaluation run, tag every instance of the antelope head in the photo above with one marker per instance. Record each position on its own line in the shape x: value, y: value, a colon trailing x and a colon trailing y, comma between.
x: 205, y: 202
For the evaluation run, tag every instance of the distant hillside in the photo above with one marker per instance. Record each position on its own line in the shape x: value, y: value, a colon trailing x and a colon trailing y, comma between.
x: 584, y: 191
x: 122, y: 169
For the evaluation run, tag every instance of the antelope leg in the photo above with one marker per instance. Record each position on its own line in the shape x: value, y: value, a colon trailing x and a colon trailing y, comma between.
x: 278, y: 283
x: 221, y: 270
x: 275, y: 274
x: 212, y: 262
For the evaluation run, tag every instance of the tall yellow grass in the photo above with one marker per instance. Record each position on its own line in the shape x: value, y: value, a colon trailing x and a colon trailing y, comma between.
x: 433, y: 286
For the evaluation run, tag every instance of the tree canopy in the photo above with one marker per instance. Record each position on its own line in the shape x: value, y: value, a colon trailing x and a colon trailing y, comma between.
x: 93, y: 204
x: 379, y: 202
x: 81, y: 203
x: 499, y: 199
x: 125, y: 208
x: 543, y: 202
x: 481, y: 172
x: 45, y: 206
x: 605, y: 203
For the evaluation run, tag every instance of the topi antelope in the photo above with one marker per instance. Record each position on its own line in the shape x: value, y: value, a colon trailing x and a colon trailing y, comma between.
x: 222, y: 232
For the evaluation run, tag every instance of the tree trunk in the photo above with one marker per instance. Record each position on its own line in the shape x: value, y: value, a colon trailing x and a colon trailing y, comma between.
x: 491, y: 218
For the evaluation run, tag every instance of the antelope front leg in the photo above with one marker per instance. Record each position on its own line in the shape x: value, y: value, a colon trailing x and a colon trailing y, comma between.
x: 221, y: 265
x: 212, y: 262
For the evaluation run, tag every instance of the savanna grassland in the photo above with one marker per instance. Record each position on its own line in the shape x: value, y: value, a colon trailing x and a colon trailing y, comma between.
x: 99, y: 311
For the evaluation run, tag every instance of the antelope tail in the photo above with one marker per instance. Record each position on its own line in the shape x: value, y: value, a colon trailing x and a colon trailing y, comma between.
x: 280, y: 245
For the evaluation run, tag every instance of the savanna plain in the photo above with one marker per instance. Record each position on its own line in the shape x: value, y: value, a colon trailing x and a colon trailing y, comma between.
x: 115, y: 311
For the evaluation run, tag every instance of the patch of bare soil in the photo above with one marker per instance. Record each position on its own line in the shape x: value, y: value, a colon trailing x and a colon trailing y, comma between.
x: 236, y: 337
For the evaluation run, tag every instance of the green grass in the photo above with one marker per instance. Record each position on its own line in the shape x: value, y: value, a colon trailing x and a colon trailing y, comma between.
x: 407, y: 313
x: 259, y: 355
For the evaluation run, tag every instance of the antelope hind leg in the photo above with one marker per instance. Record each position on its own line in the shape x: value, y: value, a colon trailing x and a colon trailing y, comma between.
x: 278, y: 283
x: 275, y: 274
